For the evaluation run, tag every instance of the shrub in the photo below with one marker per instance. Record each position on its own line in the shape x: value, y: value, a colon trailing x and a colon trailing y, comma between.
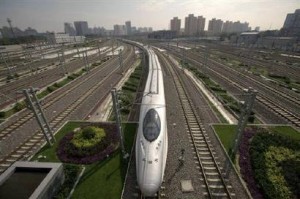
x: 50, y: 89
x: 71, y: 174
x: 268, y: 151
x: 247, y: 171
x: 19, y: 106
x: 2, y: 114
x: 88, y: 137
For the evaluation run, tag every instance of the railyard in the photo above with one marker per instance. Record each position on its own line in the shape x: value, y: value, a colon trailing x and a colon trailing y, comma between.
x: 196, y: 155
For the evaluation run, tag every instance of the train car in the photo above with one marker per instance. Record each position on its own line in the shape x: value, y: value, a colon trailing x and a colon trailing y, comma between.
x: 152, y: 137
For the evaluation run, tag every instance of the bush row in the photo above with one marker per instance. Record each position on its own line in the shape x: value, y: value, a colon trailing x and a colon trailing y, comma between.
x: 221, y: 93
x: 71, y: 174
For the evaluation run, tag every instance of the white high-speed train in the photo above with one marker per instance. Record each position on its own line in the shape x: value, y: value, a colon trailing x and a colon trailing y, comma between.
x: 152, y: 137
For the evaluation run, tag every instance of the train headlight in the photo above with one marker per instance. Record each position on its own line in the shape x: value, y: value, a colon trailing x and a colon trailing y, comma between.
x: 151, y: 125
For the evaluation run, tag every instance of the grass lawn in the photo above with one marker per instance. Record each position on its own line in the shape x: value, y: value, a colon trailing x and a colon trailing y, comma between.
x: 286, y: 131
x: 102, y: 179
x: 226, y: 134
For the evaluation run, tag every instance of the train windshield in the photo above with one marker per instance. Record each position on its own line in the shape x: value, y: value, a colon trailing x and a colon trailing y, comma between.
x: 151, y: 125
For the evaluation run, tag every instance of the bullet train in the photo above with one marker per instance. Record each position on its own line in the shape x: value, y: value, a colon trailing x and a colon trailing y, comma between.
x: 152, y: 137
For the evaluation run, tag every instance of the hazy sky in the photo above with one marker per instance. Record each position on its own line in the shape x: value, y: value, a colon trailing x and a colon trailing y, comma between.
x: 51, y: 14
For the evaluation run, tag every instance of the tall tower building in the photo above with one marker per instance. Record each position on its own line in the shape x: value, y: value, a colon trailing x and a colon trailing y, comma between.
x: 69, y: 29
x: 175, y: 24
x: 215, y: 26
x: 128, y: 27
x: 81, y: 27
x: 292, y: 24
x: 190, y: 26
x: 200, y: 24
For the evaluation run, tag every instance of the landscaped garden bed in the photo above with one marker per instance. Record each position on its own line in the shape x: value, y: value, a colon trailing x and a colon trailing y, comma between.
x: 89, y: 144
x: 269, y: 159
x: 103, y: 178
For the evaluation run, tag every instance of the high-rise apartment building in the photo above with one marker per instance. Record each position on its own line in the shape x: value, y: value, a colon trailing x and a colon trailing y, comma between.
x: 215, y: 26
x: 227, y: 27
x: 194, y: 25
x: 128, y: 27
x: 175, y: 24
x: 230, y: 27
x: 292, y: 24
x: 200, y: 24
x: 190, y: 25
x: 119, y: 30
x: 69, y: 29
x: 81, y: 27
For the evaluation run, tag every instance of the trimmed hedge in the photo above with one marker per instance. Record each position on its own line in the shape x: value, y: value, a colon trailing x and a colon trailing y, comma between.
x: 71, y: 173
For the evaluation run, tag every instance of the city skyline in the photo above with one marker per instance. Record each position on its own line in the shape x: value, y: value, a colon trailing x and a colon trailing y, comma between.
x: 49, y: 15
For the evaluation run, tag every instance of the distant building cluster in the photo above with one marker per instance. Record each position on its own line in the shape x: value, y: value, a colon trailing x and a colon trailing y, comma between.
x: 14, y: 32
x: 127, y: 29
x: 194, y: 26
x: 291, y: 25
x: 81, y: 28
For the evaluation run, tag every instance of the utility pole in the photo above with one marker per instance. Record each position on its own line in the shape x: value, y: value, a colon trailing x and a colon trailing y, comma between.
x: 61, y: 59
x: 246, y: 110
x: 205, y: 57
x: 11, y: 63
x: 121, y: 60
x: 34, y: 104
x: 183, y: 56
x: 118, y: 120
x: 28, y: 52
x: 112, y: 47
x: 243, y: 119
x: 86, y: 61
x: 76, y: 45
x: 85, y: 58
x: 41, y: 51
x: 7, y: 66
x: 11, y: 28
x: 99, y: 52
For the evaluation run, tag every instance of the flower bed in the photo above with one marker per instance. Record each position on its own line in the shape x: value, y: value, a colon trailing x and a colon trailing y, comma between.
x: 246, y: 169
x: 69, y: 153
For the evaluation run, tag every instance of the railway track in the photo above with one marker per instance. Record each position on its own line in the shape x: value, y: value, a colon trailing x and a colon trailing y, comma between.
x: 55, y: 97
x: 287, y: 96
x: 263, y: 99
x: 278, y: 109
x: 213, y: 177
x: 42, y: 79
x: 36, y: 139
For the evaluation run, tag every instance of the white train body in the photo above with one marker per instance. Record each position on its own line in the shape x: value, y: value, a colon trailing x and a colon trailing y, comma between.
x: 152, y: 137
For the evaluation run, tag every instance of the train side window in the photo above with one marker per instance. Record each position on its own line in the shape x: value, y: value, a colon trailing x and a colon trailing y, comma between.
x: 151, y: 125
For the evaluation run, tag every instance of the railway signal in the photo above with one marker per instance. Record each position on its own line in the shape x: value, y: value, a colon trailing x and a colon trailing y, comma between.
x: 34, y: 104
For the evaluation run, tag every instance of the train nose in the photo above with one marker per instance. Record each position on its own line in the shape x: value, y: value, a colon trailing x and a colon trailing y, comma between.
x: 149, y: 189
